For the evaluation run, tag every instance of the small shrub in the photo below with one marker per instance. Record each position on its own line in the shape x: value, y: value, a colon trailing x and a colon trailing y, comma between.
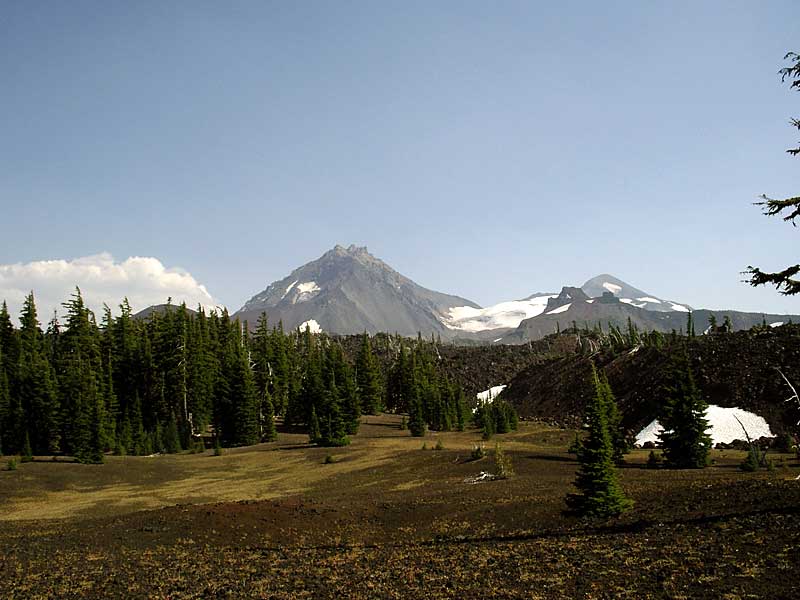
x: 502, y: 462
x: 12, y: 464
x: 439, y: 445
x: 403, y: 424
x: 329, y: 459
x: 750, y: 463
x: 654, y: 460
x: 424, y: 445
x: 217, y: 448
x: 478, y: 452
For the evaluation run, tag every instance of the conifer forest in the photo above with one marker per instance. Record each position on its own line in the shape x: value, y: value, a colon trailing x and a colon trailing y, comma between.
x: 180, y: 379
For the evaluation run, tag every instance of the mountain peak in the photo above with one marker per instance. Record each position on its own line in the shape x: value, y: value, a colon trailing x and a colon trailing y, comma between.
x: 348, y: 290
x: 352, y: 249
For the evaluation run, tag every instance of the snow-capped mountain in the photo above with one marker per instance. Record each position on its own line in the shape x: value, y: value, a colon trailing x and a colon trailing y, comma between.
x: 505, y: 315
x: 509, y: 314
x: 628, y: 294
x: 348, y: 291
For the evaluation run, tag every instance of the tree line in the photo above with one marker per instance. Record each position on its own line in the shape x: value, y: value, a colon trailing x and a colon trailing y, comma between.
x: 164, y: 384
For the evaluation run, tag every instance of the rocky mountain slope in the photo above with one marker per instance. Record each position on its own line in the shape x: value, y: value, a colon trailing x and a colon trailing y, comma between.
x: 348, y: 290
x: 609, y: 309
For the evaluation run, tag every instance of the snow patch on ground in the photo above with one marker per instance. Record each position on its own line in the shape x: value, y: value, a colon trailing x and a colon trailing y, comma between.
x: 612, y: 287
x: 312, y: 325
x: 560, y: 309
x: 490, y: 394
x: 590, y: 300
x: 723, y: 427
x: 776, y: 324
x: 503, y: 315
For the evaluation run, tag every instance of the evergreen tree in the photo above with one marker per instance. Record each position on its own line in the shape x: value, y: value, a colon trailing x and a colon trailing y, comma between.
x: 332, y: 425
x: 460, y: 409
x: 81, y: 399
x: 314, y: 433
x: 5, y: 402
x: 684, y: 439
x: 600, y: 494
x: 785, y: 281
x: 34, y: 387
x: 368, y: 384
x: 416, y: 417
x: 171, y: 439
x: 27, y: 453
x: 244, y: 400
x: 488, y: 422
x: 619, y: 443
x: 268, y: 432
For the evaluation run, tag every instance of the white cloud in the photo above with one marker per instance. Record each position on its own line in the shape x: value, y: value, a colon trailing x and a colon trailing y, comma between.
x: 143, y: 280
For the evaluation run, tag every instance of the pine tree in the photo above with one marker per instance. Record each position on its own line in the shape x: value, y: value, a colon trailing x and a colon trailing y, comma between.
x: 368, y: 379
x: 684, y: 439
x: 785, y: 281
x: 244, y: 400
x: 171, y: 439
x: 27, y: 453
x: 488, y: 422
x: 314, y: 433
x: 332, y: 426
x: 82, y: 401
x: 34, y: 385
x: 460, y: 409
x: 268, y: 432
x: 5, y: 402
x: 600, y: 494
x: 416, y: 417
x: 619, y: 442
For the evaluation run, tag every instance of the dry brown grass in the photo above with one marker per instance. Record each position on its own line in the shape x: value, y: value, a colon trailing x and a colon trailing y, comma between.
x: 387, y: 519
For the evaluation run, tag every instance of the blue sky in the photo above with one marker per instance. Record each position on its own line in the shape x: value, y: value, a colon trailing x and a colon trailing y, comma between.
x: 489, y: 150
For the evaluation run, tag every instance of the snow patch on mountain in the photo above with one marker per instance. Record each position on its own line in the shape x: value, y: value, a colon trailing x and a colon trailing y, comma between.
x: 776, y: 324
x: 632, y: 303
x: 560, y: 309
x: 612, y: 287
x: 679, y: 307
x: 490, y: 394
x: 308, y: 287
x: 649, y: 299
x: 289, y: 289
x: 723, y: 427
x: 503, y: 315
